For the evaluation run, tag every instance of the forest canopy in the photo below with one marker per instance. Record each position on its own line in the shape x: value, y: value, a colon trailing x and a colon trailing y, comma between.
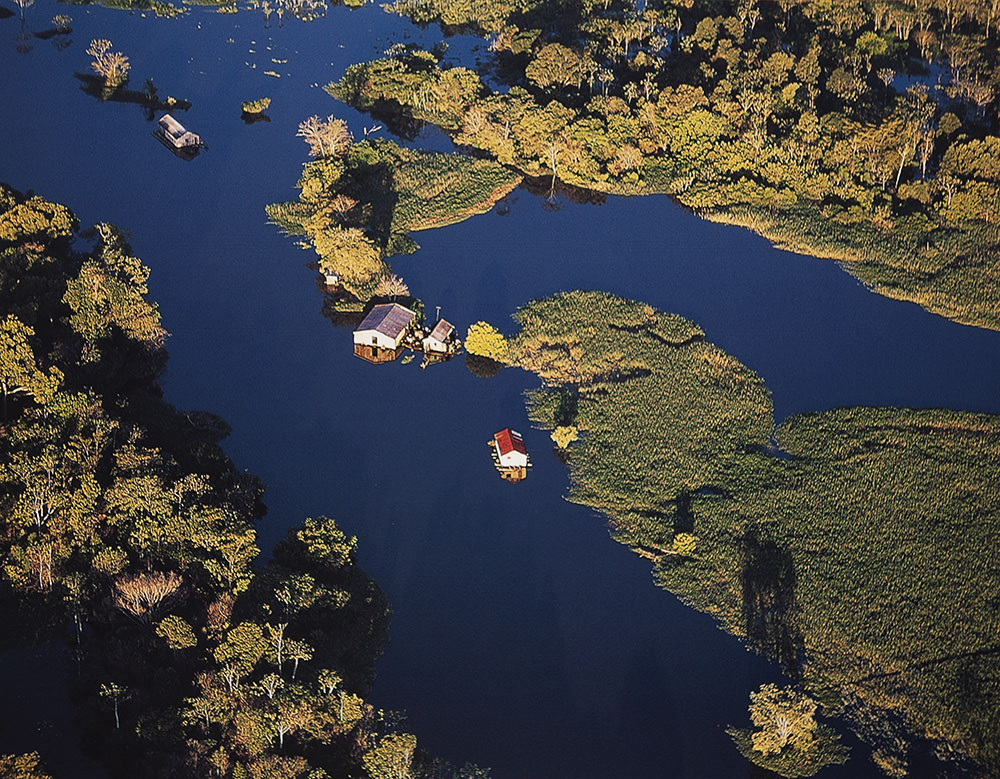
x: 864, y: 132
x: 126, y: 532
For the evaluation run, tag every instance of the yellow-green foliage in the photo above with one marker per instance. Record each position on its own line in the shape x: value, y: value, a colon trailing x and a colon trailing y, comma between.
x: 788, y: 740
x: 665, y: 411
x: 564, y: 435
x: 357, y: 210
x: 484, y: 340
x: 256, y: 106
x: 392, y: 758
x: 414, y: 82
x: 33, y: 218
x: 783, y: 116
x: 176, y: 632
x: 868, y: 550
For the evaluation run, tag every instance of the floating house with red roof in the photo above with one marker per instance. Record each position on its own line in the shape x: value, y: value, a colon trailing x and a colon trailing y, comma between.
x: 510, y: 455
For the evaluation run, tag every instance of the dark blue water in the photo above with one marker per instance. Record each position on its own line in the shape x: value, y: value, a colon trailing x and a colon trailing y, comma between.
x: 523, y: 638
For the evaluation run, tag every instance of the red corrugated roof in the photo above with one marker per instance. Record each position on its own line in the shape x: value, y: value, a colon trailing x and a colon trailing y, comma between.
x: 509, y: 441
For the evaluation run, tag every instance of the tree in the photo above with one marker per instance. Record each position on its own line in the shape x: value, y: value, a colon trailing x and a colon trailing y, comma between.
x: 555, y: 65
x: 325, y: 137
x: 108, y: 295
x: 298, y: 651
x: 391, y: 286
x: 112, y: 66
x: 176, y: 632
x: 392, y: 758
x: 22, y: 767
x: 243, y: 646
x: 140, y: 596
x: 115, y: 693
x: 484, y: 340
x: 19, y: 371
x: 788, y: 741
x: 784, y: 718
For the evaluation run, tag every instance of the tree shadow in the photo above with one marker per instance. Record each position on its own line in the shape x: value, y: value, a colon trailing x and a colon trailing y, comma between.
x: 374, y: 185
x: 767, y: 574
x: 147, y: 99
x: 249, y: 117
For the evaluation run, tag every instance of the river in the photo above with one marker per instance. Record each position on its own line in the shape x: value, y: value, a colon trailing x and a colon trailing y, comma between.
x: 523, y: 637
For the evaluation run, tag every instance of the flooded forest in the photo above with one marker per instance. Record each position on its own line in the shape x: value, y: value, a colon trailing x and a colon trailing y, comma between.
x: 556, y: 388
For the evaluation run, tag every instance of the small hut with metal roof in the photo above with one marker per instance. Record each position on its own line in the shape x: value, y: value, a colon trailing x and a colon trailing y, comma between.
x: 441, y: 339
x: 380, y: 336
x: 173, y: 133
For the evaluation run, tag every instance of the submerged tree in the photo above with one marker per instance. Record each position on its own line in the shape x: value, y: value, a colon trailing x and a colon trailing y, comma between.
x: 112, y: 66
x: 788, y: 740
x: 325, y: 137
x: 484, y: 340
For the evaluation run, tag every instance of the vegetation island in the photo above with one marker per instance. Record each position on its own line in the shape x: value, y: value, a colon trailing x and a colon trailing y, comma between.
x: 857, y: 547
x: 864, y: 132
x: 127, y: 534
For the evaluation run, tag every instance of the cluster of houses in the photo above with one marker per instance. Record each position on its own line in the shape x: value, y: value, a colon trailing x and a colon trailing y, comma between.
x: 389, y: 328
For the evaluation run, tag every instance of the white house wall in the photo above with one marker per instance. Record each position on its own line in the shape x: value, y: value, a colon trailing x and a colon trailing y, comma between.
x: 380, y: 339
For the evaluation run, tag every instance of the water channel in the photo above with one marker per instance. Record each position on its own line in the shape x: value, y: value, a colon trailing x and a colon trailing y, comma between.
x: 523, y: 637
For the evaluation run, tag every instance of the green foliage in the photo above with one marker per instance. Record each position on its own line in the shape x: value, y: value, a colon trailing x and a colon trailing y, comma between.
x: 19, y: 371
x: 392, y: 758
x: 647, y: 383
x: 176, y: 632
x: 825, y: 749
x: 564, y: 436
x: 115, y: 509
x: 684, y: 544
x: 779, y: 116
x: 34, y: 218
x: 785, y: 719
x: 358, y: 209
x: 862, y: 558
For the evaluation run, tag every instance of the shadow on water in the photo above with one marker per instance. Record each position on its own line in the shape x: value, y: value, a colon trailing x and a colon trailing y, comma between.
x: 767, y: 574
x: 147, y: 99
x: 249, y: 117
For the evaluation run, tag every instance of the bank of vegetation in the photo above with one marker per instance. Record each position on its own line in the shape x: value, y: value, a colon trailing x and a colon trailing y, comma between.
x: 126, y: 533
x: 359, y: 202
x: 858, y: 547
x: 865, y: 132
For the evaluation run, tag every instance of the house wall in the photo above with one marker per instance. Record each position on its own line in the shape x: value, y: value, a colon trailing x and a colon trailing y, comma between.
x: 375, y: 354
x: 434, y: 345
x: 375, y: 338
x: 513, y: 460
